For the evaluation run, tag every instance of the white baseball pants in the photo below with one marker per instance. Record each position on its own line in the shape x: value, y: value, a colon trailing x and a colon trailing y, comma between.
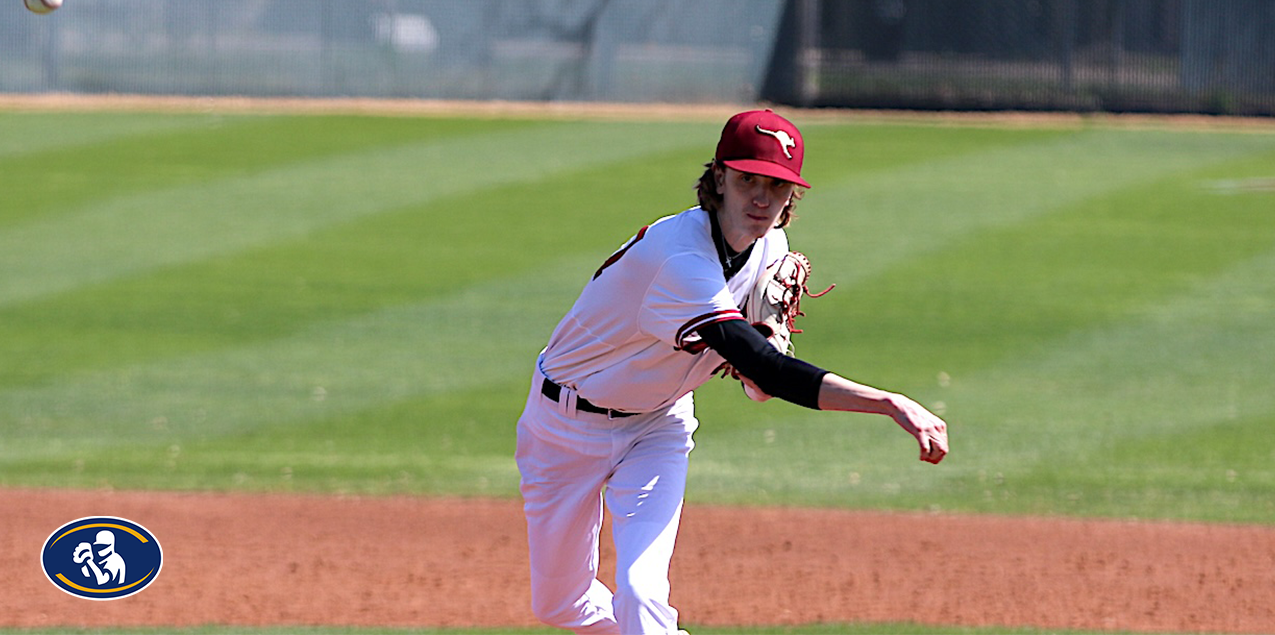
x: 568, y: 459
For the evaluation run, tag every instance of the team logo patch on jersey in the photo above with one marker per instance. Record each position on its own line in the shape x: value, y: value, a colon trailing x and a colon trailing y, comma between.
x: 101, y: 558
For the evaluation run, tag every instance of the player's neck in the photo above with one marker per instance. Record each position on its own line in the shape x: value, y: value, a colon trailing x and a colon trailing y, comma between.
x: 732, y: 259
x: 738, y: 243
x: 735, y: 238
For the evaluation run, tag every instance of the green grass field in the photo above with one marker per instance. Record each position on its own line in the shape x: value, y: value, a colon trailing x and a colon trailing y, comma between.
x: 352, y: 304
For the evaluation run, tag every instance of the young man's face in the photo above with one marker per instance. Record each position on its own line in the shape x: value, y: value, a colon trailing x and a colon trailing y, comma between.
x: 751, y: 206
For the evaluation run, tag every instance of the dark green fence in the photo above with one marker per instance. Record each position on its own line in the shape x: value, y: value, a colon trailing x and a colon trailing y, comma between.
x: 1209, y: 56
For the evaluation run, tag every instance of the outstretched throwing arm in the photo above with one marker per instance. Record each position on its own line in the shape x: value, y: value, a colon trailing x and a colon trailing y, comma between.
x: 839, y: 393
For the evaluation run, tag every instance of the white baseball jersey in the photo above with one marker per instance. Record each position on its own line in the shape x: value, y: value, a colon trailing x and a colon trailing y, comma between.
x: 628, y: 343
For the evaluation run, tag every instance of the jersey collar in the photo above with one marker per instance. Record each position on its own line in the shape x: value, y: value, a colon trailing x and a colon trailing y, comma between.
x: 731, y: 261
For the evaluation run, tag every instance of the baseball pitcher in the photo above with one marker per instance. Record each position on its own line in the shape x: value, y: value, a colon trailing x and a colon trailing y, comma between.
x: 610, y: 415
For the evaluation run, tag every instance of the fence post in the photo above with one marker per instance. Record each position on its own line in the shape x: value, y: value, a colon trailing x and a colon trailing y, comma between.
x: 807, y: 51
x: 1065, y: 32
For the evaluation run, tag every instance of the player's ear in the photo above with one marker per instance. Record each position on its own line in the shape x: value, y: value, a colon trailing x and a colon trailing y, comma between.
x: 719, y: 177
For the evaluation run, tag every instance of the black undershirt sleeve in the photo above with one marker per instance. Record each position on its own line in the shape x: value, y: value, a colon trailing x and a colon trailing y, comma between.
x: 777, y: 374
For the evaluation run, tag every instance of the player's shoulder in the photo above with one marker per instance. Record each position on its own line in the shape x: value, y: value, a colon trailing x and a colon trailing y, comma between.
x: 679, y: 232
x: 684, y: 221
x: 777, y: 237
x: 682, y: 241
x: 774, y: 246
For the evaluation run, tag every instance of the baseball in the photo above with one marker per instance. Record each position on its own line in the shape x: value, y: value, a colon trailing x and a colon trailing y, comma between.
x: 42, y: 6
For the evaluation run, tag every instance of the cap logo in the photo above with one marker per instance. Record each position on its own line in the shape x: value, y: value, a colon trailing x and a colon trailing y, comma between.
x: 785, y: 140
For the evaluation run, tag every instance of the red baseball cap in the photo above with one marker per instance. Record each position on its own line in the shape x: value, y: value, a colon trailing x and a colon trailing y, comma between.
x: 761, y: 142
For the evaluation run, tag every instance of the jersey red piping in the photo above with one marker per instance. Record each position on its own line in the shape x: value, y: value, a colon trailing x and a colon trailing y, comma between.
x: 698, y: 322
x: 619, y: 254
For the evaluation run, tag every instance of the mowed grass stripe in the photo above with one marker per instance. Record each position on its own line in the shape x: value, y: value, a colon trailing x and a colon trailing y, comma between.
x: 456, y: 442
x: 998, y: 293
x: 352, y: 267
x: 1062, y: 350
x: 862, y: 224
x: 395, y: 257
x: 840, y: 152
x: 172, y: 226
x: 362, y: 265
x: 1210, y: 347
x: 1161, y: 416
x: 127, y: 159
x: 29, y: 134
x: 481, y: 334
x: 1172, y: 405
x: 888, y: 324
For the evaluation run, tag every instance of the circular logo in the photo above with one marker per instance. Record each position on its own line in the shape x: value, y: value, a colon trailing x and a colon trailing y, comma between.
x: 101, y: 558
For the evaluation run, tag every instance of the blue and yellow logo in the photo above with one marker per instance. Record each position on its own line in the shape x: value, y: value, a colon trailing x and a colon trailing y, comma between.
x: 101, y: 558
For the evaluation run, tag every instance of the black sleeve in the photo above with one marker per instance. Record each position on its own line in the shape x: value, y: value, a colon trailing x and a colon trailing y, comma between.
x: 777, y: 374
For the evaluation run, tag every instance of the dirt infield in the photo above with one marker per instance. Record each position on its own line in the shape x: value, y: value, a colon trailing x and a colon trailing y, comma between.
x: 67, y: 102
x: 402, y: 561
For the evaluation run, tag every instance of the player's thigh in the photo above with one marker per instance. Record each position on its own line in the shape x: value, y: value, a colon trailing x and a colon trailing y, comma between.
x: 561, y: 487
x: 646, y: 490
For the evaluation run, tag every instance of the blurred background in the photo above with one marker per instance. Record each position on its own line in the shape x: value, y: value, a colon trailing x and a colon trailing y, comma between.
x: 1202, y: 56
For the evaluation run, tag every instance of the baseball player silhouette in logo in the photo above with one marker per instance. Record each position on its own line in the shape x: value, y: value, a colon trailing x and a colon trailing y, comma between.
x: 112, y: 565
x: 610, y: 415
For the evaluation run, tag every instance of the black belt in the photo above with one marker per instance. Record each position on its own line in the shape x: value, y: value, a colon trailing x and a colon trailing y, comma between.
x: 554, y: 391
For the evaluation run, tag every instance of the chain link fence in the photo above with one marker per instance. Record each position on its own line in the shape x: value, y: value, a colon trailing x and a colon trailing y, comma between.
x: 1086, y: 55
x: 587, y: 50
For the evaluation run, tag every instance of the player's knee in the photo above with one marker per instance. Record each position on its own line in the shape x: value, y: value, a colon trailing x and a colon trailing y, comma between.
x: 640, y: 592
x: 558, y: 611
x: 552, y: 610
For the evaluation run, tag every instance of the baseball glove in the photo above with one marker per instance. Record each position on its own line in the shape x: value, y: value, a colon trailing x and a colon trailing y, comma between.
x: 83, y: 553
x: 773, y: 306
x: 775, y: 303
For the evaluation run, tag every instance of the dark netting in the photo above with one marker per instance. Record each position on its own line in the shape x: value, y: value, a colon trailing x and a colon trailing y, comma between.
x: 1086, y: 55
